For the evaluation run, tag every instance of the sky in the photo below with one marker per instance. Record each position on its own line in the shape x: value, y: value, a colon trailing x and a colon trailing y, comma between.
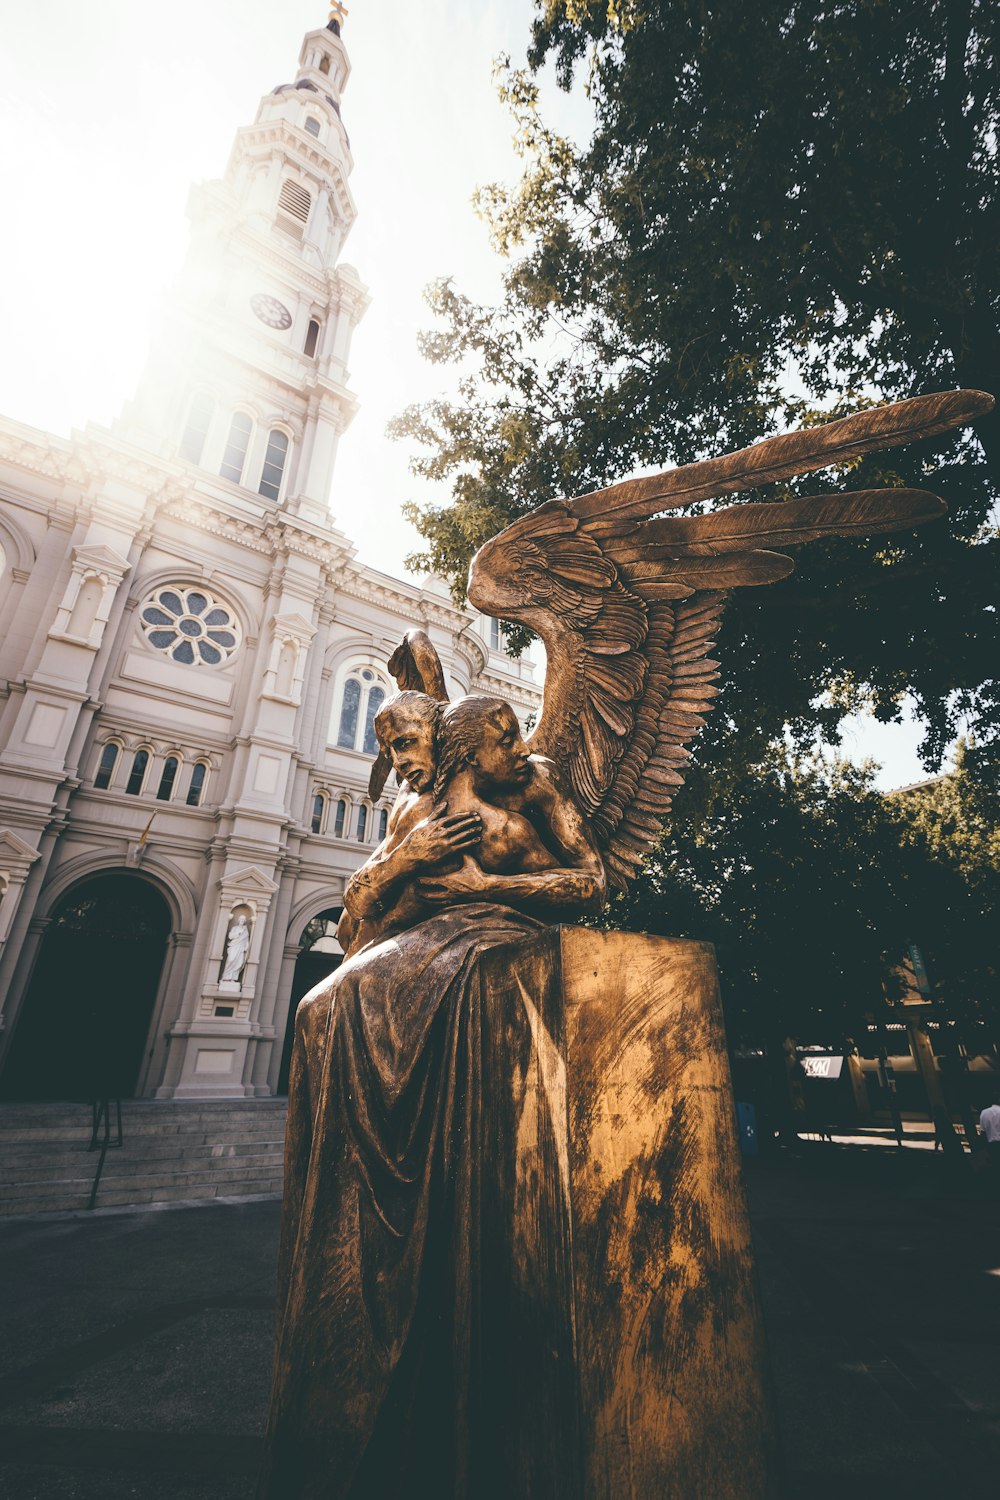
x: 108, y: 114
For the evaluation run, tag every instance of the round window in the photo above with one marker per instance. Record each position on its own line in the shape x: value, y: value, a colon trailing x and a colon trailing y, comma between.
x: 190, y: 626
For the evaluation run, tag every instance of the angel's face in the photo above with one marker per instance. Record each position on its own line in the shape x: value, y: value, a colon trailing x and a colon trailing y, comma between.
x: 411, y: 744
x: 501, y: 758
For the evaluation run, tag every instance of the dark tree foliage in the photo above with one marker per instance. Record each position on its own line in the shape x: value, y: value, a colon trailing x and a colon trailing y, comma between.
x: 811, y: 883
x: 784, y: 212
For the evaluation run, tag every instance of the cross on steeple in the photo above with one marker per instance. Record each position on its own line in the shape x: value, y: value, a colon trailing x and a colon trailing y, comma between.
x: 339, y: 12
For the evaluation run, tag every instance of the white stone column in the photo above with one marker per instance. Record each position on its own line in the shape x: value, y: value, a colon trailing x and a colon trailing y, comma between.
x: 16, y: 860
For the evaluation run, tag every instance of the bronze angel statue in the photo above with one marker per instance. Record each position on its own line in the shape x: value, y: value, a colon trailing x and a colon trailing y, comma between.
x: 388, y: 1379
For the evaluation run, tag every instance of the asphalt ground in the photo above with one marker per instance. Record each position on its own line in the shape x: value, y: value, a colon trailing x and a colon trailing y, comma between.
x: 136, y: 1349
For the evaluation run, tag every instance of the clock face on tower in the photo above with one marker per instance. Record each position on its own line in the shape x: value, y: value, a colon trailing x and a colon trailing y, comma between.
x: 270, y: 311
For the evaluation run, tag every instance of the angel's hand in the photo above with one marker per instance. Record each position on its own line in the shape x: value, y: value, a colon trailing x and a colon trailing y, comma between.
x: 465, y: 884
x: 442, y: 836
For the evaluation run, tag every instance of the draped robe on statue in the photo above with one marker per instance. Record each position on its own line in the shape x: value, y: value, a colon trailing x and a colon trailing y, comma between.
x: 417, y: 1320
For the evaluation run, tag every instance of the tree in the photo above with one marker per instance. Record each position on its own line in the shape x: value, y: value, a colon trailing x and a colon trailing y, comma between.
x: 784, y: 212
x: 954, y: 821
x: 810, y: 883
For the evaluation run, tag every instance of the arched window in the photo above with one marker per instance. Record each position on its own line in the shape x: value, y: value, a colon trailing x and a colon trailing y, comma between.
x: 137, y: 775
x: 362, y: 823
x: 199, y: 419
x: 363, y: 697
x: 383, y: 823
x: 167, y: 778
x: 312, y: 125
x: 318, y: 813
x: 274, y: 464
x: 324, y: 64
x: 197, y: 784
x: 312, y: 338
x: 340, y: 819
x: 106, y: 768
x: 348, y: 731
x: 235, y: 454
x: 376, y: 697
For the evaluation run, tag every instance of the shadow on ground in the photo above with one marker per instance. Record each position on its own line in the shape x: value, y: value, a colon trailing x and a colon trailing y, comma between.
x: 137, y: 1348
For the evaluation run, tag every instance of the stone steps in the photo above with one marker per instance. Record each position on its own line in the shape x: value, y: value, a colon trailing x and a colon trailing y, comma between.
x: 174, y: 1150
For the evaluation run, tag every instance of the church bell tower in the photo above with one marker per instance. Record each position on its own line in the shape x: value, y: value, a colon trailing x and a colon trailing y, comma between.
x: 248, y: 381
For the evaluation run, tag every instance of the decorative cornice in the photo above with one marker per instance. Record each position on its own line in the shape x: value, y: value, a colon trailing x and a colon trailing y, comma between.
x: 86, y: 460
x: 506, y: 687
x: 472, y: 650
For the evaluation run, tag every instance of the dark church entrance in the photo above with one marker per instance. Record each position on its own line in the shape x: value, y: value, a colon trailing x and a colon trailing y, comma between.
x: 319, y: 955
x: 85, y: 1019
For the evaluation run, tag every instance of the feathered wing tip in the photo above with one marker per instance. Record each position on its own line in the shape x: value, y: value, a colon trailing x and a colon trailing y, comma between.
x: 417, y: 668
x: 787, y: 455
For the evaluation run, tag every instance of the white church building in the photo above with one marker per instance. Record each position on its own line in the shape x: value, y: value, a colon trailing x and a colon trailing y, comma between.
x: 191, y: 656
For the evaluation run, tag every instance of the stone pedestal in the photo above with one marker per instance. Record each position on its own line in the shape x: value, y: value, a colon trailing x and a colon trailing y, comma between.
x: 625, y: 1274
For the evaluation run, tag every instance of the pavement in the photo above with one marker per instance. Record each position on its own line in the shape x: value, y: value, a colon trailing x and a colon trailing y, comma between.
x: 137, y: 1345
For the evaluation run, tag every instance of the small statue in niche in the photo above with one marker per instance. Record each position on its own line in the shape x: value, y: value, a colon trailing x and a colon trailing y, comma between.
x: 237, y: 948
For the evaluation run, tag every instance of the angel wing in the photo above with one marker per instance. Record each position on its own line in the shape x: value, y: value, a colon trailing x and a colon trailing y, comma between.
x: 417, y: 668
x: 628, y: 606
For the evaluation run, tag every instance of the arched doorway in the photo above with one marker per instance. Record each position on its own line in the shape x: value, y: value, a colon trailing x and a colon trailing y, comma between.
x: 319, y: 955
x: 85, y: 1018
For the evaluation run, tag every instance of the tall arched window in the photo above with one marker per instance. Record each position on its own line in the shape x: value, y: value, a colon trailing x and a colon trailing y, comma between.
x: 312, y: 338
x: 363, y: 696
x: 348, y: 731
x: 376, y: 697
x: 137, y: 775
x: 340, y: 819
x: 318, y: 813
x: 383, y: 823
x: 199, y: 419
x: 106, y: 768
x: 362, y: 823
x: 274, y: 464
x: 197, y: 784
x: 312, y: 125
x: 167, y: 778
x: 235, y: 455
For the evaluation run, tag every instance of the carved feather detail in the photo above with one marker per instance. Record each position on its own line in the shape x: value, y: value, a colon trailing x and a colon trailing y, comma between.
x: 628, y: 601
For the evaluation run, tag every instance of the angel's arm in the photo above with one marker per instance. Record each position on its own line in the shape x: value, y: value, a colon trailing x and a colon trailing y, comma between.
x: 577, y: 889
x: 561, y: 893
x: 405, y: 850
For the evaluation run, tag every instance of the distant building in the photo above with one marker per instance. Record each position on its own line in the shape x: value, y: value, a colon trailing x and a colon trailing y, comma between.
x: 191, y: 657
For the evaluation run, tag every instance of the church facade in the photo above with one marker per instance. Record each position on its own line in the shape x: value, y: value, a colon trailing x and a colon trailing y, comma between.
x: 191, y: 656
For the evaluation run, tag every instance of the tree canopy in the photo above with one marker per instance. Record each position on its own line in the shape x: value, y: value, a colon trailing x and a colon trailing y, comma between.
x: 784, y: 212
x: 811, y: 883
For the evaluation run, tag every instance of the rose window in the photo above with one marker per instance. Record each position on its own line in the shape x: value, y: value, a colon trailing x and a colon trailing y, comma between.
x: 190, y: 626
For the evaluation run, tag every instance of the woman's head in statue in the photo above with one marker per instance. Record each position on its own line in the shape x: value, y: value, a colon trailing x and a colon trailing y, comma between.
x: 483, y: 733
x: 407, y: 729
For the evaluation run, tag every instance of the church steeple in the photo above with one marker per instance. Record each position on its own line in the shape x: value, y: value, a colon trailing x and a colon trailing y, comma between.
x: 260, y: 323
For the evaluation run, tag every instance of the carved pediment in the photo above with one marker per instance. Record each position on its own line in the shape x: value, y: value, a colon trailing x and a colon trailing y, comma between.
x: 101, y: 559
x: 248, y: 882
x: 16, y: 856
x: 294, y: 625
